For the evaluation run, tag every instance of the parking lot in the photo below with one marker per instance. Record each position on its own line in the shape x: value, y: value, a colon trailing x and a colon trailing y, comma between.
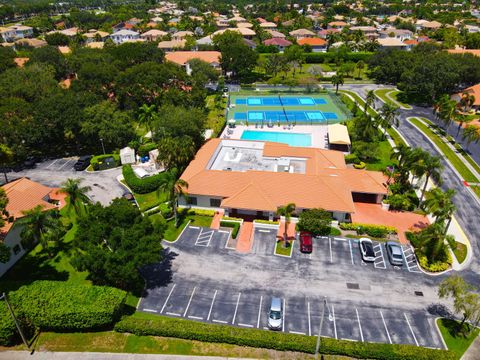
x: 220, y: 304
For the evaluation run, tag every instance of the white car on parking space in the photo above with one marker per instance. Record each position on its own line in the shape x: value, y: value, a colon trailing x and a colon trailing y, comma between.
x: 366, y: 249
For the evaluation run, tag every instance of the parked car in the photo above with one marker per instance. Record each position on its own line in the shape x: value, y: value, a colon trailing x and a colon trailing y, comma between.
x: 82, y: 163
x: 366, y: 248
x: 275, y: 315
x: 395, y: 253
x: 305, y: 242
x: 29, y: 163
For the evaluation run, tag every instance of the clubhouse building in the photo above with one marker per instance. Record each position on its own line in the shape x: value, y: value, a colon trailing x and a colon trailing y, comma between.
x: 254, y: 178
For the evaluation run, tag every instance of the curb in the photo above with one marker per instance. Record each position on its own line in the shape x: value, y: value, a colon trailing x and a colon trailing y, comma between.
x: 440, y: 333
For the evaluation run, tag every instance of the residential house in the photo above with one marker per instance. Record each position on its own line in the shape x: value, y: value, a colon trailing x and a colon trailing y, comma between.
x: 340, y: 25
x: 171, y: 45
x: 95, y: 36
x: 245, y: 25
x: 124, y: 36
x: 23, y: 195
x: 369, y: 31
x: 317, y: 44
x: 475, y: 52
x: 70, y: 32
x: 183, y: 58
x: 279, y: 43
x: 324, y: 33
x: 276, y: 34
x: 206, y: 40
x: 428, y: 25
x: 245, y: 32
x: 410, y: 43
x: 250, y: 43
x: 254, y: 178
x: 399, y: 34
x: 472, y: 90
x: 181, y: 35
x: 301, y: 33
x: 16, y: 32
x: 268, y: 25
x: 153, y: 35
x: 122, y: 26
x: 34, y: 43
x: 392, y: 43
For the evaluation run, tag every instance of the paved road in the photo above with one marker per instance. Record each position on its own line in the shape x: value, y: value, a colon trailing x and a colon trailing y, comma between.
x: 467, y: 207
x: 48, y: 355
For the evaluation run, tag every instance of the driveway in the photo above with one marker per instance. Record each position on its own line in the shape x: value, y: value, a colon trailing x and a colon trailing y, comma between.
x: 104, y: 185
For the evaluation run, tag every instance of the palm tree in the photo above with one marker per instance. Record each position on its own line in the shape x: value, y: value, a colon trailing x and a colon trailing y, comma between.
x: 37, y: 223
x: 461, y: 119
x: 388, y: 117
x: 286, y: 211
x: 433, y: 242
x: 360, y: 66
x: 369, y: 101
x: 337, y: 80
x: 432, y: 169
x: 447, y: 111
x: 6, y: 157
x: 146, y: 115
x: 466, y: 102
x: 471, y: 134
x: 77, y: 195
x: 440, y: 205
x: 175, y: 187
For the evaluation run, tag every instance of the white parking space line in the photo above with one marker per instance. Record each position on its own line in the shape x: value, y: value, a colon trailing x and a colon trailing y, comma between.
x: 340, y: 239
x: 211, y: 305
x: 297, y: 332
x: 410, y: 260
x: 379, y: 262
x: 168, y: 297
x: 351, y: 251
x: 150, y: 310
x: 236, y: 308
x: 284, y: 315
x: 259, y: 312
x: 62, y: 166
x: 189, y: 301
x: 359, y: 324
x: 223, y: 231
x: 194, y: 227
x: 51, y: 164
x: 204, y: 238
x: 173, y: 314
x: 309, y: 324
x: 330, y: 245
x: 220, y: 321
x: 264, y: 231
x: 195, y: 317
x: 334, y: 322
x: 245, y: 325
x: 411, y: 330
x: 386, y: 329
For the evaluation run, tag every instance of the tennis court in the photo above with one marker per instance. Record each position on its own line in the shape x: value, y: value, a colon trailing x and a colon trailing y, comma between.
x: 312, y: 109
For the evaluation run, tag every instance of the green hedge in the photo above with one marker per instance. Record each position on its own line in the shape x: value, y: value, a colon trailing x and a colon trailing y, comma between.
x: 260, y: 221
x: 8, y: 331
x: 318, y: 58
x: 97, y: 161
x: 146, y: 148
x: 369, y: 229
x: 141, y: 186
x: 231, y: 224
x: 191, y: 330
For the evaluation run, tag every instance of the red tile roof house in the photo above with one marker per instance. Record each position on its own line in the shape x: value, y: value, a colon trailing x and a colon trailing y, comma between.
x: 254, y: 178
x: 183, y: 58
x: 317, y: 44
x: 24, y: 194
x: 279, y: 43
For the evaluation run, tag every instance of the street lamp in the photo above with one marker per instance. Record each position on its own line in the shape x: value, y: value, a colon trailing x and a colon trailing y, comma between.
x: 330, y: 318
x: 17, y: 324
x: 103, y: 147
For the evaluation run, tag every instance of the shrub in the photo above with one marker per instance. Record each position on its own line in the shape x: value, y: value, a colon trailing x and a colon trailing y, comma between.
x: 8, y: 331
x: 260, y: 221
x: 316, y: 221
x: 351, y: 159
x: 203, y: 212
x: 231, y: 224
x: 191, y: 330
x: 317, y: 58
x: 97, y: 161
x: 360, y: 165
x: 335, y: 232
x: 400, y: 202
x: 59, y: 306
x: 144, y: 149
x: 141, y: 186
x: 436, y: 266
x: 233, y: 218
x: 368, y: 229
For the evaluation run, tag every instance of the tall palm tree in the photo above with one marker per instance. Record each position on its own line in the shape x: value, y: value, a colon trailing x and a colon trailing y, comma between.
x: 36, y: 223
x: 471, y: 134
x: 287, y: 212
x: 466, y: 102
x: 440, y: 205
x: 388, y: 117
x: 432, y: 169
x: 77, y: 195
x: 146, y: 115
x: 175, y: 187
x: 337, y: 80
x: 6, y: 157
x: 433, y: 242
x: 369, y: 101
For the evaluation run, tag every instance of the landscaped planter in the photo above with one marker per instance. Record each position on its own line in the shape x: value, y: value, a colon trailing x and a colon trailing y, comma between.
x: 385, y: 206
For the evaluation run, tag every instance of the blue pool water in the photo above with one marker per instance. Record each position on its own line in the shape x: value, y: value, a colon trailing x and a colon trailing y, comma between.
x: 291, y: 139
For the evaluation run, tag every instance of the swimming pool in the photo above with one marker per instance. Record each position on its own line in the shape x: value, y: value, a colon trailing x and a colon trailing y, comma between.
x: 292, y: 139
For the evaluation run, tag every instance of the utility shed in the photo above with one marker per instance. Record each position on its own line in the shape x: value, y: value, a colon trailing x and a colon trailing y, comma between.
x: 338, y: 138
x: 127, y: 155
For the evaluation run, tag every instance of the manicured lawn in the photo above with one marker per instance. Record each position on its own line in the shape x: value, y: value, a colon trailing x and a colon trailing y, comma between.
x: 383, y: 160
x: 382, y: 94
x: 109, y: 341
x: 476, y: 190
x: 280, y: 249
x: 394, y: 94
x: 216, y: 114
x: 455, y: 342
x: 150, y: 200
x: 172, y: 232
x: 446, y: 150
x: 460, y: 252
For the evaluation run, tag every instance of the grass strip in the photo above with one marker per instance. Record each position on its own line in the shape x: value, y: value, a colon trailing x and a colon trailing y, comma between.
x: 456, y: 342
x: 446, y: 150
x: 280, y: 248
x: 460, y: 252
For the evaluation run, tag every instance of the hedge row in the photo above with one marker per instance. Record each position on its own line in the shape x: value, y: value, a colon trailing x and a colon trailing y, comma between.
x: 231, y: 224
x: 8, y: 331
x: 141, y: 186
x: 191, y: 330
x: 369, y: 229
x: 60, y: 306
x: 97, y: 161
x: 318, y: 58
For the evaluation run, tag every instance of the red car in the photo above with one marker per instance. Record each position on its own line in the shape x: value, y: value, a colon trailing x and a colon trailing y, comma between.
x: 305, y: 242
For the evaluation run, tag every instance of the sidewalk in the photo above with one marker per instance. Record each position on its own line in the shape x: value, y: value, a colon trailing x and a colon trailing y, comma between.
x: 473, y: 352
x: 46, y: 355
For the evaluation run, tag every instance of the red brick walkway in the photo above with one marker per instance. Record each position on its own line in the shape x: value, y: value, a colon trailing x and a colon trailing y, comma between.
x: 402, y: 220
x: 245, y: 238
x: 216, y: 219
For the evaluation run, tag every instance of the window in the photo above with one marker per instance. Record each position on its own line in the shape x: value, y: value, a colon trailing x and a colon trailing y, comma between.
x: 16, y: 249
x: 192, y: 200
x: 215, y: 202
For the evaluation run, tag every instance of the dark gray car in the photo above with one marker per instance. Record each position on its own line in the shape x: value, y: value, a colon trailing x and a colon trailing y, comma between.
x: 395, y: 253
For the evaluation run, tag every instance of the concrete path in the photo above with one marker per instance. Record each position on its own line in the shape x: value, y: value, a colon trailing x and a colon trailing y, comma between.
x: 245, y: 238
x: 46, y: 355
x: 473, y: 352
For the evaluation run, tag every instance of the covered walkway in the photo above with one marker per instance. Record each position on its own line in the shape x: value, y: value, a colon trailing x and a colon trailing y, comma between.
x: 402, y: 220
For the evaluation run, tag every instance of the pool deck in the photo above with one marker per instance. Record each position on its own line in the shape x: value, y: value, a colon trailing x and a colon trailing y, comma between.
x: 317, y: 132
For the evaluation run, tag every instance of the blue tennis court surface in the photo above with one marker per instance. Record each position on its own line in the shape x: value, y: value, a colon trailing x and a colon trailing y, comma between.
x: 280, y: 101
x: 287, y: 116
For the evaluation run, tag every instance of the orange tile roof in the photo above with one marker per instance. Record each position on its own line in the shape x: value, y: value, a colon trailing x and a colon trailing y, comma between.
x: 24, y: 194
x: 473, y: 90
x: 312, y: 42
x: 20, y: 61
x: 182, y: 57
x: 327, y: 183
x: 475, y: 52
